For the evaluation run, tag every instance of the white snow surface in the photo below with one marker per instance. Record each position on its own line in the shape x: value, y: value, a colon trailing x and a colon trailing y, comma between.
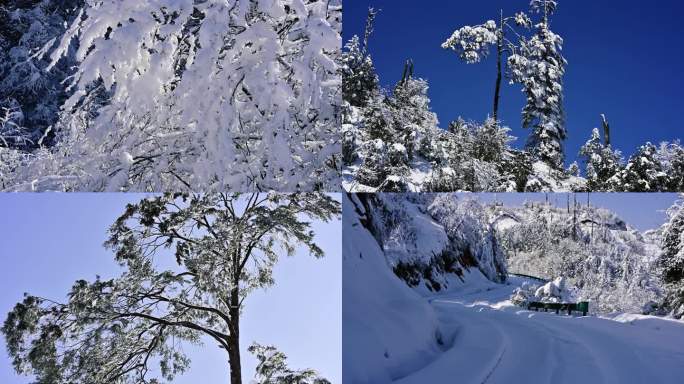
x: 389, y: 330
x: 470, y: 332
x: 493, y: 341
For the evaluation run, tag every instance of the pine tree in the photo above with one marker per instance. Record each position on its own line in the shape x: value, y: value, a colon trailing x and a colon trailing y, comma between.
x: 491, y: 141
x: 359, y: 78
x: 272, y: 368
x: 516, y: 169
x: 672, y: 260
x: 601, y: 161
x: 113, y: 331
x: 412, y: 118
x: 671, y: 156
x: 539, y: 67
x: 643, y: 172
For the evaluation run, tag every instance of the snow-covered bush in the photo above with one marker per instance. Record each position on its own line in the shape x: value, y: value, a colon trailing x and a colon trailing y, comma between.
x: 555, y: 291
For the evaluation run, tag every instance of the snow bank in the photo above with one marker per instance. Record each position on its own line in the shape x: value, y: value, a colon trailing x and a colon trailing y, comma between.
x: 388, y: 329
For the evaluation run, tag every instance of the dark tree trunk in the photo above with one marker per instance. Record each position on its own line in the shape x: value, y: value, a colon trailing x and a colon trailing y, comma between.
x: 606, y: 130
x: 234, y: 338
x: 499, y: 57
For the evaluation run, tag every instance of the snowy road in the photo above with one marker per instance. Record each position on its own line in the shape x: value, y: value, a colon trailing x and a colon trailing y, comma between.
x: 491, y: 341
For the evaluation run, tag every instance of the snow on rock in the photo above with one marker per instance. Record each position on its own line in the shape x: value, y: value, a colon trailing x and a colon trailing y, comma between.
x: 432, y: 241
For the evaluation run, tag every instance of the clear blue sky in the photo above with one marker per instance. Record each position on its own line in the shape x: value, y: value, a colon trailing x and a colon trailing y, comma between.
x: 50, y: 240
x: 625, y: 59
x: 642, y: 211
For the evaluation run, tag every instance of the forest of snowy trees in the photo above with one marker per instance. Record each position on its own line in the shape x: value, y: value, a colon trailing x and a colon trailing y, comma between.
x: 431, y: 241
x: 164, y: 94
x: 392, y: 140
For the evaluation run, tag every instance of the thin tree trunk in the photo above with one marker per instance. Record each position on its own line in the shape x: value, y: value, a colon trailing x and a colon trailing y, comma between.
x: 499, y: 57
x: 234, y: 338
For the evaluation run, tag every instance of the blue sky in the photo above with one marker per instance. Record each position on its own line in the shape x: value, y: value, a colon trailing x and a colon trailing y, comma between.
x: 51, y: 240
x: 642, y: 211
x: 624, y: 58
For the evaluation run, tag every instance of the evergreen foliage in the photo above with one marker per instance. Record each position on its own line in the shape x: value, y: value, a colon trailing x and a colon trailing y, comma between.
x: 672, y: 260
x: 218, y: 250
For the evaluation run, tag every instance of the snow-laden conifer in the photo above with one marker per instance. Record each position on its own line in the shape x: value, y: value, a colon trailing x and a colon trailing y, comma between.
x: 190, y: 265
x: 539, y: 66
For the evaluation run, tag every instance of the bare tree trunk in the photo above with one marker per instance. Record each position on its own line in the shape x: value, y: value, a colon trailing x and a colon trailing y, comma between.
x: 606, y: 130
x: 234, y: 338
x: 499, y: 57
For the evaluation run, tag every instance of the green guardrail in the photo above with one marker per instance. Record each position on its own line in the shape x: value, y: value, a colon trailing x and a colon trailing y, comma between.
x: 528, y: 277
x: 582, y: 306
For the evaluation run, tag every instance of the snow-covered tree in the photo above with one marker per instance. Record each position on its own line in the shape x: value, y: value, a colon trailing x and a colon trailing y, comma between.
x: 609, y: 262
x: 671, y: 157
x: 539, y: 66
x: 491, y: 141
x: 467, y: 225
x: 601, y: 162
x: 30, y: 97
x: 201, y: 95
x: 272, y: 368
x: 472, y: 44
x: 515, y: 170
x: 359, y: 79
x: 224, y: 247
x: 412, y: 117
x: 643, y: 172
x: 672, y: 260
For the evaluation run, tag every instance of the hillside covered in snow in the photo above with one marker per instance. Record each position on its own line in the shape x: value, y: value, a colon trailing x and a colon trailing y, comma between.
x: 610, y: 263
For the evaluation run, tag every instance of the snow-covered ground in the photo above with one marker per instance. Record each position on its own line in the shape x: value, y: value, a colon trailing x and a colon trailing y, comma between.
x: 491, y: 341
x: 423, y: 302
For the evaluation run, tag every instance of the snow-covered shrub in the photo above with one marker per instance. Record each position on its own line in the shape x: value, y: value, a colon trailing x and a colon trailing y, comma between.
x: 555, y: 291
x: 524, y: 294
x: 374, y: 169
x: 671, y: 157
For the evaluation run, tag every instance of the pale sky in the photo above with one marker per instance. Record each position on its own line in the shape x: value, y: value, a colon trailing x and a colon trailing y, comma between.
x: 50, y: 240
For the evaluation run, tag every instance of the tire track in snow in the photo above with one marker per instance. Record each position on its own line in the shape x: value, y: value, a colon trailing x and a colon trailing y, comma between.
x: 496, y: 365
x: 502, y: 344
